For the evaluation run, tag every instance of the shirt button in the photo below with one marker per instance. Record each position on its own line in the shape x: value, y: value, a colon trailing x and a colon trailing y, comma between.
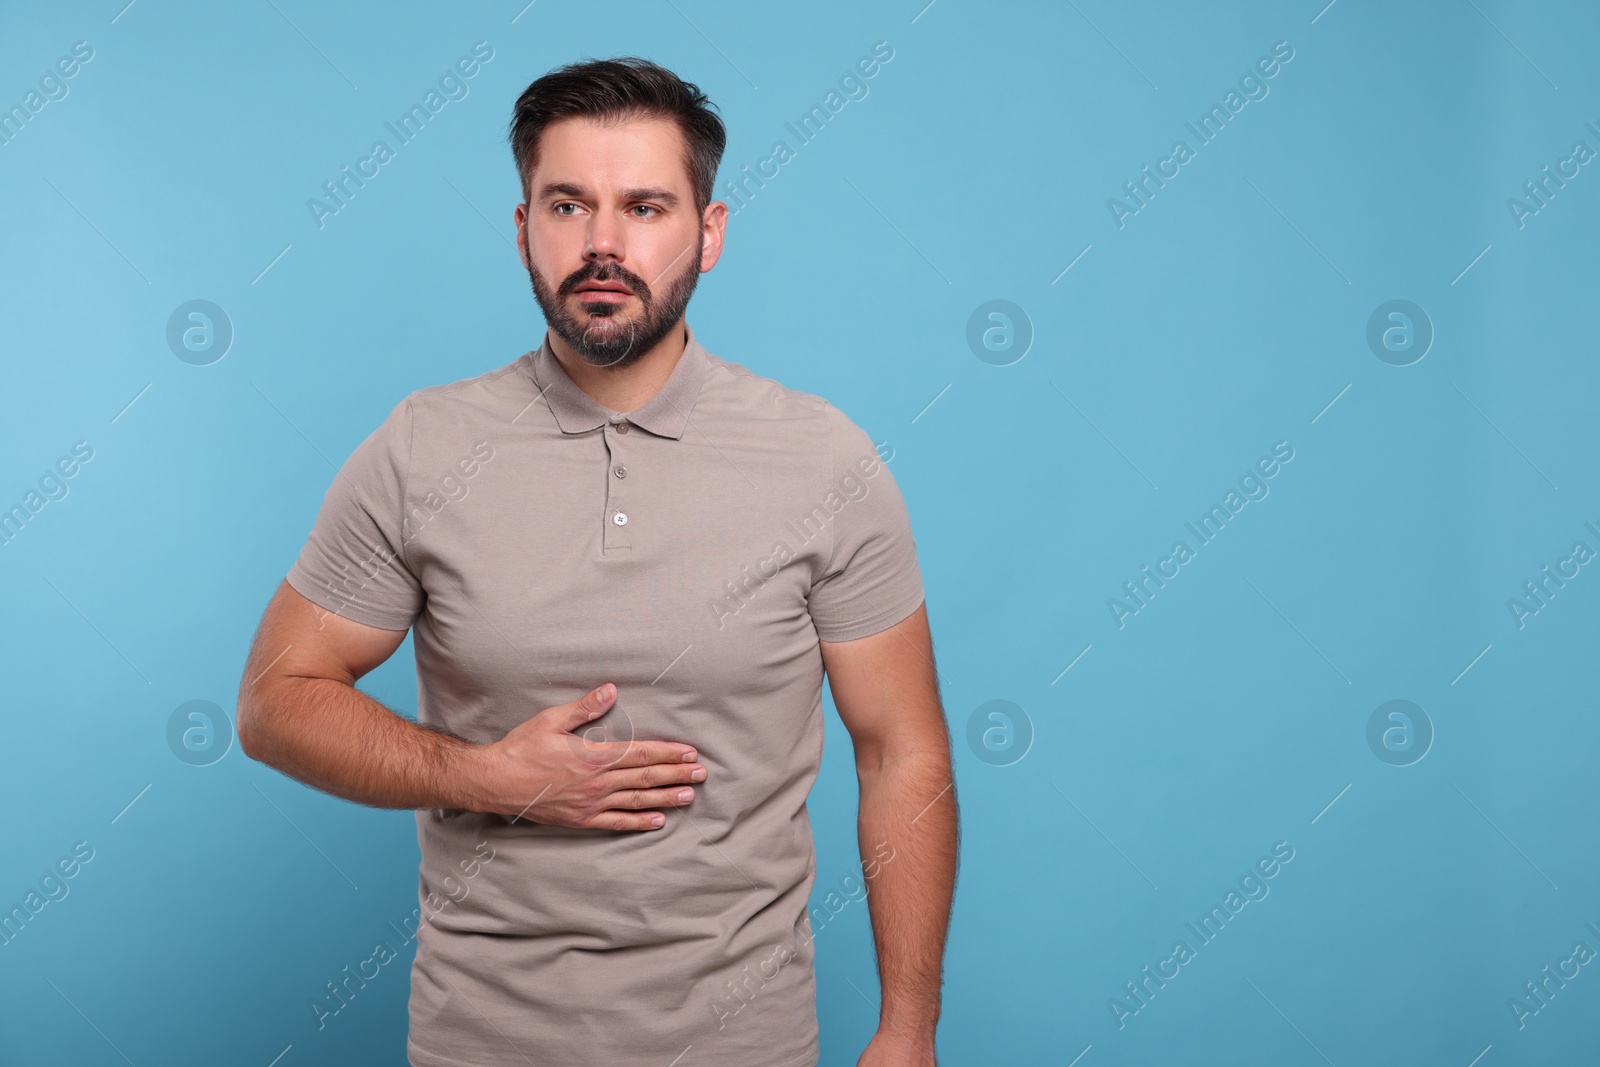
x: 620, y: 519
x: 622, y: 427
x: 621, y: 471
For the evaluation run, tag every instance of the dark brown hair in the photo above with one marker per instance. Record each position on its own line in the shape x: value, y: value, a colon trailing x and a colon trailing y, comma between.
x: 622, y: 88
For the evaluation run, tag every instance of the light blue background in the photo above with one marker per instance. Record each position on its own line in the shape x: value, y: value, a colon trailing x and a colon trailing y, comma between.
x: 1228, y: 314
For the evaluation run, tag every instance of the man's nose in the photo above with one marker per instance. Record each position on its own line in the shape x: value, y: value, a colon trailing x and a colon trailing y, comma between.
x: 604, y: 239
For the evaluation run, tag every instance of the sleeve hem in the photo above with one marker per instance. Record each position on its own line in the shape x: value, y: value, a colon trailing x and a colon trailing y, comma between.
x: 875, y: 623
x: 348, y: 609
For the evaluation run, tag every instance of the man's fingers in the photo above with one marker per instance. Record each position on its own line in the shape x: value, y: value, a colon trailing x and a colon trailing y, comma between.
x: 626, y: 811
x: 638, y: 799
x: 654, y: 775
x: 587, y: 707
x: 628, y: 820
x: 572, y: 717
x: 619, y: 754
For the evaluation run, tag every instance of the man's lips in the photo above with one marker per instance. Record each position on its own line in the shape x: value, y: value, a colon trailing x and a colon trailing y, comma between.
x: 608, y: 292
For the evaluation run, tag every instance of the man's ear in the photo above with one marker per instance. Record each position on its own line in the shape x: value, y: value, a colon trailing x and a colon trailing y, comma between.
x: 714, y: 224
x: 520, y: 217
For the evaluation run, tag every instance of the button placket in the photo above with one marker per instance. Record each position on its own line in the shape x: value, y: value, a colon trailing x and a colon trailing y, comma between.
x: 614, y: 533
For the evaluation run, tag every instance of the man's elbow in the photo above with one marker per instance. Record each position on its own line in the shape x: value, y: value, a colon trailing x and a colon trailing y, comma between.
x: 253, y: 720
x: 247, y: 724
x: 920, y: 756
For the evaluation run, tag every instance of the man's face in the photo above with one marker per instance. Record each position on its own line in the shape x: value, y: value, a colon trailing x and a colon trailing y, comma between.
x: 611, y: 214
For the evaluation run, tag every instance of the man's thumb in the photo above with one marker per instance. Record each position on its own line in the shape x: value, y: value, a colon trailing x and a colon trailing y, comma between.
x: 590, y: 706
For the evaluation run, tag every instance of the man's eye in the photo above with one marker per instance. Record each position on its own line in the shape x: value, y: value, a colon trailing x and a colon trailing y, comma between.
x: 560, y: 206
x: 643, y: 207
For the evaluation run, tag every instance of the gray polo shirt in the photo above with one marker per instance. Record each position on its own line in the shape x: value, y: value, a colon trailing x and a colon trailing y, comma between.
x: 693, y: 552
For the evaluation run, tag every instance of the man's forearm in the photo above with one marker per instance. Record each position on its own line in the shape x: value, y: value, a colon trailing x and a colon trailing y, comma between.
x: 333, y: 736
x: 909, y: 803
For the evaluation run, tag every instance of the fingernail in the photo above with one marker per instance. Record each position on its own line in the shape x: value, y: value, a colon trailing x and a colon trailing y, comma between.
x: 686, y: 794
x: 697, y: 775
x: 690, y: 756
x: 605, y: 691
x: 657, y: 820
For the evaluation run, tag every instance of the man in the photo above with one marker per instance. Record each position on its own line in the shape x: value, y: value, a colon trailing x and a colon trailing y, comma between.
x: 628, y: 564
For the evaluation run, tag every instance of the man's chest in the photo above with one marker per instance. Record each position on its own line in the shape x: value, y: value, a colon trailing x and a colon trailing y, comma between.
x: 676, y: 565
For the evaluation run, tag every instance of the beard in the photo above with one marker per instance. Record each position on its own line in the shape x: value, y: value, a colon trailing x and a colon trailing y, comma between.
x: 612, y: 335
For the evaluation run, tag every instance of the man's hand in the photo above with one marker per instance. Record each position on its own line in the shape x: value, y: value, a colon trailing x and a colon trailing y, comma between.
x: 545, y: 772
x: 889, y: 1048
x: 299, y: 711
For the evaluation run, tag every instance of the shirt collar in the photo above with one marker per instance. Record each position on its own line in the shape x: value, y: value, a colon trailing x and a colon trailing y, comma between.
x: 666, y: 413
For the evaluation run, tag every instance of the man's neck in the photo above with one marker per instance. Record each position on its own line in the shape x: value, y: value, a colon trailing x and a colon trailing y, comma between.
x: 623, y: 388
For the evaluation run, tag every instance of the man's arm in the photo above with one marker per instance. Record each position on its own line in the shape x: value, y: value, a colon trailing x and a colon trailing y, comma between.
x: 887, y: 693
x: 299, y: 711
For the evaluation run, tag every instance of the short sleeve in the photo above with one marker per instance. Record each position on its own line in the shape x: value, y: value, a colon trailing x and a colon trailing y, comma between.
x: 871, y: 579
x: 353, y: 561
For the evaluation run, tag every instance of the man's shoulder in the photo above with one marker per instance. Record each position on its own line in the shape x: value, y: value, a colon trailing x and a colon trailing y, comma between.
x: 734, y: 385
x: 444, y: 411
x: 735, y: 390
x: 493, y: 388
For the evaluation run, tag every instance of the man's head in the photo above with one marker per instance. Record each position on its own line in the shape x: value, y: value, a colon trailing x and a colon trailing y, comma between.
x: 617, y: 158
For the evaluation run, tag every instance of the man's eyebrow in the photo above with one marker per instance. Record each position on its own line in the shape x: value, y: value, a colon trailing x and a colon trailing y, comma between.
x: 554, y: 189
x: 665, y: 196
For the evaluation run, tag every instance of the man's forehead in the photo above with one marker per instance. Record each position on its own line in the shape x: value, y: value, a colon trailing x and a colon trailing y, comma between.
x: 610, y: 155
